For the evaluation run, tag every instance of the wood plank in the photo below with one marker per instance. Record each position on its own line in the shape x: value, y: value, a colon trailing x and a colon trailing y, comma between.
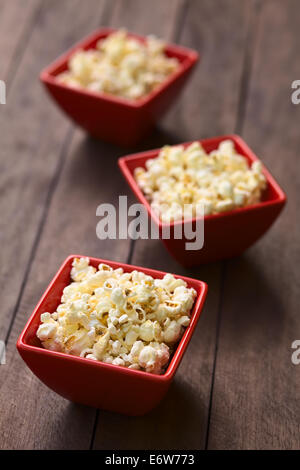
x: 32, y: 138
x: 204, y: 109
x: 14, y: 33
x: 256, y: 393
x: 143, y: 18
x: 36, y: 141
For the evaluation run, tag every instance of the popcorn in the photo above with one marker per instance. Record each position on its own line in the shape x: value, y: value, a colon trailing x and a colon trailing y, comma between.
x: 181, y: 178
x: 120, y: 65
x: 47, y: 331
x: 172, y: 332
x: 153, y: 358
x: 126, y: 319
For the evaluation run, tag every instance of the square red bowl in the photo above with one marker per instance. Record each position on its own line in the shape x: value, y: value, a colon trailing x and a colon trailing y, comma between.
x: 110, y: 118
x: 95, y: 383
x: 226, y: 234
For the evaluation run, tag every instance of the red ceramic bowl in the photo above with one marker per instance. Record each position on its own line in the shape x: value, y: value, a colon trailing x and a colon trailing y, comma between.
x: 226, y: 234
x: 94, y: 383
x: 118, y: 120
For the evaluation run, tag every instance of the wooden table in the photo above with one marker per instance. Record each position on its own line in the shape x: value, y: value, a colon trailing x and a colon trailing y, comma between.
x: 236, y: 387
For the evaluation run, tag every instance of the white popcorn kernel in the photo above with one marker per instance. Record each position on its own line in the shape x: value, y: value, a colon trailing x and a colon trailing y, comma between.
x: 193, y: 146
x: 172, y: 333
x: 225, y: 205
x: 240, y: 197
x: 175, y: 154
x: 108, y: 359
x: 113, y: 331
x: 136, y: 349
x: 113, y: 315
x: 257, y: 166
x: 46, y: 331
x: 163, y: 355
x: 99, y: 292
x: 147, y: 331
x: 86, y: 352
x: 69, y: 292
x: 103, y: 307
x: 117, y: 296
x: 134, y: 367
x: 45, y: 317
x: 91, y: 356
x: 118, y: 362
x: 184, y: 321
x: 131, y: 336
x: 92, y: 333
x: 77, y: 342
x: 225, y: 189
x: 115, y: 347
x: 193, y: 159
x: 226, y: 147
x: 100, y: 346
x: 172, y: 307
x: 81, y: 269
x: 147, y: 357
x: 109, y: 285
x: 79, y: 306
x: 105, y: 267
x: 123, y: 319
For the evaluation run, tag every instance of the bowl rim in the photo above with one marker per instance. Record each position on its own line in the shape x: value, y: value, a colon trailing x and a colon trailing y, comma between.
x: 47, y: 75
x: 177, y: 356
x: 149, y: 154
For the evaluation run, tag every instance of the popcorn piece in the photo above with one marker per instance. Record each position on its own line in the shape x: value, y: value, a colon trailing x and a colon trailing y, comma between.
x: 46, y: 331
x: 136, y: 349
x: 91, y: 356
x: 132, y: 336
x: 123, y: 319
x: 186, y: 179
x: 120, y: 65
x: 154, y: 359
x: 184, y: 321
x: 147, y: 331
x: 172, y: 332
x: 81, y: 269
x: 147, y: 358
x: 126, y: 319
x: 101, y: 345
x: 118, y: 361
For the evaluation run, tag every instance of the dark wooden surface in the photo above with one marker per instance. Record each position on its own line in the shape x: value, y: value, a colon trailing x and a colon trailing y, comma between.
x: 236, y: 387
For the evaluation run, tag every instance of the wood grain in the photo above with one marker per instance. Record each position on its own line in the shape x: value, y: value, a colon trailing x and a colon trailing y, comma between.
x: 16, y: 21
x: 33, y: 133
x: 37, y: 142
x: 180, y: 422
x: 256, y: 392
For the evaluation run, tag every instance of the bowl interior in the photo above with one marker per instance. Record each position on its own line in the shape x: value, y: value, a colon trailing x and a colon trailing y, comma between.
x: 271, y: 194
x: 52, y: 297
x: 184, y: 56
